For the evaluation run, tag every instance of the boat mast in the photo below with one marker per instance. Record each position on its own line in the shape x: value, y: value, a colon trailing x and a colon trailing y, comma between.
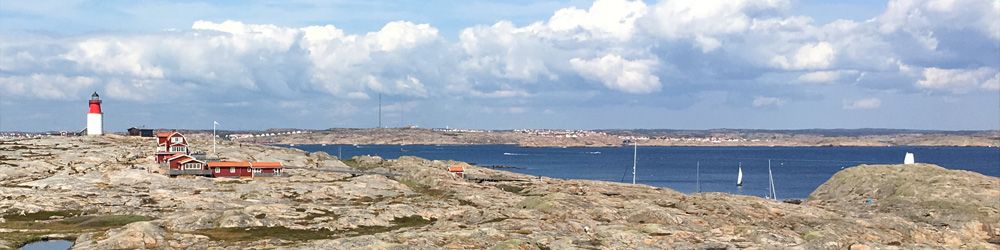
x: 770, y: 178
x: 635, y: 156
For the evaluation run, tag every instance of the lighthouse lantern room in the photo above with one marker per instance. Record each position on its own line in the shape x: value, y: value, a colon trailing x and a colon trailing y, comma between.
x: 95, y: 118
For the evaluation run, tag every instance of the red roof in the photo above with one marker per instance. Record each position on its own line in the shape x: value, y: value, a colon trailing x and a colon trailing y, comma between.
x: 178, y: 156
x: 188, y: 160
x: 456, y: 168
x: 244, y: 164
x: 266, y: 164
x: 228, y: 164
x: 168, y: 134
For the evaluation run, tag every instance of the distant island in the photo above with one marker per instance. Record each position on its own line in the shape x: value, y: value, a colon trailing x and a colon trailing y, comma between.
x: 618, y: 137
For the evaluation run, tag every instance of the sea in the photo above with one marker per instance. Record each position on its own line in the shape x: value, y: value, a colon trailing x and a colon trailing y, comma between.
x: 796, y: 171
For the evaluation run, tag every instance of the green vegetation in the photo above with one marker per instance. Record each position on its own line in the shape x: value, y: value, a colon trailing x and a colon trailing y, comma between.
x: 40, y: 215
x: 259, y: 233
x: 509, y: 188
x: 403, y: 222
x: 424, y: 189
x: 60, y: 222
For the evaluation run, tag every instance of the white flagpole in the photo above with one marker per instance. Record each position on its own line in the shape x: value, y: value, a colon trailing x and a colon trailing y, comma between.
x: 213, y: 137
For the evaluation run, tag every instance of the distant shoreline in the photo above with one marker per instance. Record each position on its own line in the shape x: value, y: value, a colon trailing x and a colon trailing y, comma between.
x: 640, y: 145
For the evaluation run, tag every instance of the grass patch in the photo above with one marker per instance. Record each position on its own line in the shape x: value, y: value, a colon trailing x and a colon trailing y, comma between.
x: 398, y: 223
x: 73, y: 224
x: 102, y: 221
x: 259, y: 233
x: 284, y: 233
x: 41, y: 215
x: 510, y: 188
x: 39, y: 224
x: 423, y: 189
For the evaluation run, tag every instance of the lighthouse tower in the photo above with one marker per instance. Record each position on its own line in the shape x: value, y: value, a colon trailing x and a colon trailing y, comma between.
x: 95, y: 119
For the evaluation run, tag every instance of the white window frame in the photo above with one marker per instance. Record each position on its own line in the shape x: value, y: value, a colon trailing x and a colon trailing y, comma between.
x: 232, y: 170
x: 218, y: 170
x: 176, y: 139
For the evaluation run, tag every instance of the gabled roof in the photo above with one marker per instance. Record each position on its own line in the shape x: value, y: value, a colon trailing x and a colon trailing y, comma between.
x: 190, y: 160
x: 168, y: 134
x: 178, y: 156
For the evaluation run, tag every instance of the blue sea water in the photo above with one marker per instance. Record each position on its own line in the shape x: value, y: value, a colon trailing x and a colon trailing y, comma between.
x: 797, y: 171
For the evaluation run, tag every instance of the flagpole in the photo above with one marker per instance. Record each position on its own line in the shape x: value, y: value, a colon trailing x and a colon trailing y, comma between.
x: 213, y: 137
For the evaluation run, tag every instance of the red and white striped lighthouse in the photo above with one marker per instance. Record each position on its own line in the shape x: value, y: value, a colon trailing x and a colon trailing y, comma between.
x: 95, y: 118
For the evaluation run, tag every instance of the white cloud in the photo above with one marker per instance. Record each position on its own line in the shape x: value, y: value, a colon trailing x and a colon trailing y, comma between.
x: 828, y: 76
x: 620, y: 74
x: 605, y: 18
x: 958, y: 80
x: 767, y: 102
x: 809, y: 56
x: 866, y: 103
x: 627, y: 46
x: 689, y: 19
x: 52, y: 87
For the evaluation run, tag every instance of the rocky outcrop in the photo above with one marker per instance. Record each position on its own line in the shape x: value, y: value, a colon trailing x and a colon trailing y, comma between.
x: 96, y: 188
x: 138, y: 235
x: 924, y: 194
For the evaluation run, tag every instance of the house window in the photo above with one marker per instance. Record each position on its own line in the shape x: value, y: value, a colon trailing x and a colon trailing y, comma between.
x: 218, y: 170
x: 178, y: 149
x: 192, y: 166
x: 176, y: 139
x: 257, y: 170
x: 232, y: 170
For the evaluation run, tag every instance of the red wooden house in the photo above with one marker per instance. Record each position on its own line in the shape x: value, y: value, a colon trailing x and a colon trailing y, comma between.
x: 237, y: 169
x: 168, y: 144
x: 183, y: 164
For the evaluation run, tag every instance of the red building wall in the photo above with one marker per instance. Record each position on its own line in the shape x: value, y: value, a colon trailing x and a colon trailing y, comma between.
x: 224, y: 172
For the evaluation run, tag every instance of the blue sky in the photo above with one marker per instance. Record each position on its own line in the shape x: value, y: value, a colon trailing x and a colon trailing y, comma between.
x: 771, y: 64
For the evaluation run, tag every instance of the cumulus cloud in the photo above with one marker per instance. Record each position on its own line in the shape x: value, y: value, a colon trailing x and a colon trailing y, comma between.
x: 51, y: 87
x: 828, y: 76
x: 631, y: 76
x: 958, y: 80
x: 628, y: 47
x: 866, y: 103
x: 767, y: 102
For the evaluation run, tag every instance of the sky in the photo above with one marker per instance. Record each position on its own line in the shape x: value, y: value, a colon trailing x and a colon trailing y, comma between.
x: 764, y: 64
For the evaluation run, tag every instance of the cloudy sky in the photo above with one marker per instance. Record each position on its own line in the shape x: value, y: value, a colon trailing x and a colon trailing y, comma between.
x: 504, y: 64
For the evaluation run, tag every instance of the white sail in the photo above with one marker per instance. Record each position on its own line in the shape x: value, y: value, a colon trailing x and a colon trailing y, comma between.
x: 739, y: 176
x: 908, y: 159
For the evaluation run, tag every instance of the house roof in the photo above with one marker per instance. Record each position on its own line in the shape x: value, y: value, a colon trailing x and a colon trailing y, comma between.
x: 168, y: 134
x: 178, y: 156
x: 456, y: 168
x: 265, y: 164
x: 224, y: 164
x: 189, y: 160
x: 243, y: 164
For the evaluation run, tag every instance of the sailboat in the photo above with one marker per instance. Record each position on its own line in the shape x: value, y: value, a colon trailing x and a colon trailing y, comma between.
x: 739, y: 176
x: 635, y: 158
x: 908, y: 159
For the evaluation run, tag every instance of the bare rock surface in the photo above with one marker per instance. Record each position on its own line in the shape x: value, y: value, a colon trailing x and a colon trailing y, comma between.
x: 104, y: 193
